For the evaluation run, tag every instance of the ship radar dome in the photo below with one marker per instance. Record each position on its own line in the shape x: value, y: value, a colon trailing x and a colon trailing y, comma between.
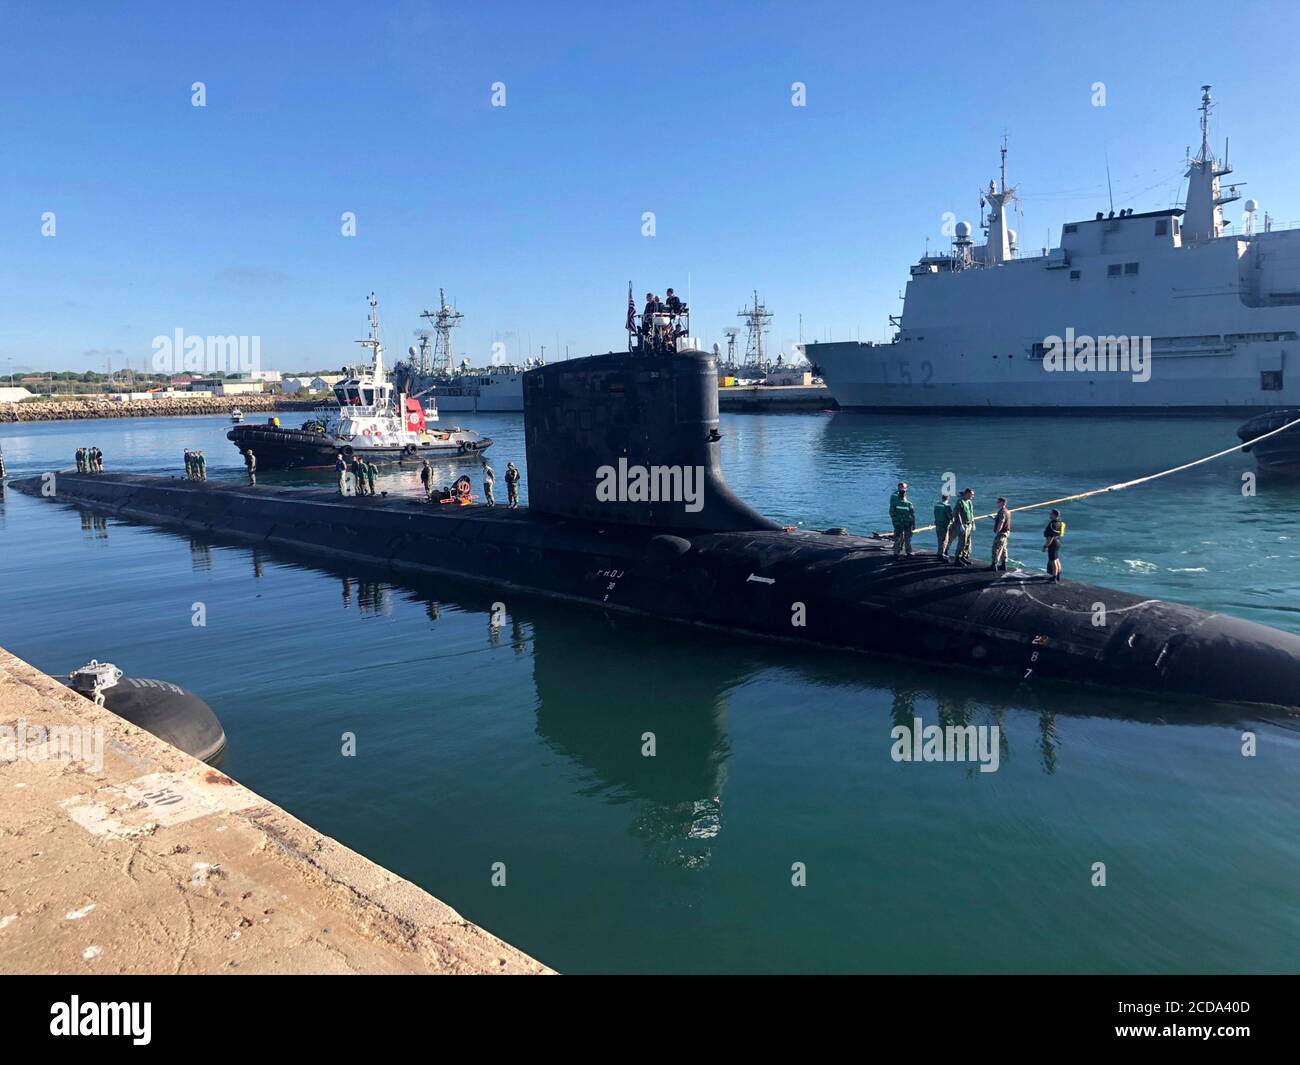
x: 963, y: 230
x: 1011, y: 234
x: 1252, y: 206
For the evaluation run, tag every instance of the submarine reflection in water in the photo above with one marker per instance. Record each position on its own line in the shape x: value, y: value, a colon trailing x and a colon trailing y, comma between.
x: 601, y: 686
x: 663, y: 742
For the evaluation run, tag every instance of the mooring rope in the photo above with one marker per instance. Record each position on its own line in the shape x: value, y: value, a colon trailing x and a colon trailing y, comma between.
x: 1128, y: 484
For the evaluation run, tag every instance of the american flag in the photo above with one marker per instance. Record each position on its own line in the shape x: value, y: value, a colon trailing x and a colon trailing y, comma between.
x: 631, y: 310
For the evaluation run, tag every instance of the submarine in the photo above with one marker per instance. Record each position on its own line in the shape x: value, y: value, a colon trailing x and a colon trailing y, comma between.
x: 629, y: 512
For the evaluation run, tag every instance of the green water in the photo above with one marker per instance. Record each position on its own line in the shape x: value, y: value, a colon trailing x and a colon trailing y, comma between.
x: 521, y: 744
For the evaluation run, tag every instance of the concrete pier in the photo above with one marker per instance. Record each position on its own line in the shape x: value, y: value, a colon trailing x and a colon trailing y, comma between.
x: 775, y: 398
x: 132, y: 857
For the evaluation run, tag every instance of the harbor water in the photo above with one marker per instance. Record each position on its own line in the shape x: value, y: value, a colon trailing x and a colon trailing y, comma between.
x: 501, y: 746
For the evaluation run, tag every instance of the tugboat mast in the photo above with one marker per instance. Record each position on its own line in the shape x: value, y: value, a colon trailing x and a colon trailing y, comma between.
x: 373, y: 342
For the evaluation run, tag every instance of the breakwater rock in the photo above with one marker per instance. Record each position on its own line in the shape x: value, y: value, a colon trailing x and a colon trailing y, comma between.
x: 102, y: 407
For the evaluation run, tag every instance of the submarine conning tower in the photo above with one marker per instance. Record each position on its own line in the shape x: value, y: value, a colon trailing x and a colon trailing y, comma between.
x: 631, y: 439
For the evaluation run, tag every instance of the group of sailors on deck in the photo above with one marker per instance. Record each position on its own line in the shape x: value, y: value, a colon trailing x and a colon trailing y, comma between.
x: 954, y: 527
x: 460, y: 492
x: 90, y: 460
x: 661, y: 321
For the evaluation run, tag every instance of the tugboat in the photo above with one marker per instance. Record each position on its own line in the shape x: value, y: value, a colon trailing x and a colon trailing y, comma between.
x: 371, y: 419
x: 1278, y: 454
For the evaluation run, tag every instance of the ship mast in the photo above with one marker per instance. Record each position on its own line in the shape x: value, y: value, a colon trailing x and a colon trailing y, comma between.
x: 421, y: 359
x: 1203, y: 216
x: 444, y: 320
x: 998, y: 248
x: 755, y: 319
x: 731, y: 333
x: 373, y: 342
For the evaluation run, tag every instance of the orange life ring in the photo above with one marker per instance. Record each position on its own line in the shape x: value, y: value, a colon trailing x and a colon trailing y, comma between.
x: 366, y: 431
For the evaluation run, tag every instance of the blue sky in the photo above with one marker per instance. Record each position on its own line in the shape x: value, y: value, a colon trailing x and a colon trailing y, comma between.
x: 225, y: 219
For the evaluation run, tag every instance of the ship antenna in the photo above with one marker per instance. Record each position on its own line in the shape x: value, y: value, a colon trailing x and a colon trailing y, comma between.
x: 1206, y: 105
x: 1004, y: 161
x: 1109, y: 191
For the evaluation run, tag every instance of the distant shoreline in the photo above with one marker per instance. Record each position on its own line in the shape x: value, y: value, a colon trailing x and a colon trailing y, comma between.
x: 100, y: 407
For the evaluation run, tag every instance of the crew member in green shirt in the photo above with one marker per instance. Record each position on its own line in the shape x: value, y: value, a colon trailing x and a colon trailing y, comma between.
x: 942, y: 523
x: 963, y: 525
x: 1001, y: 535
x: 903, y: 515
x: 893, y: 508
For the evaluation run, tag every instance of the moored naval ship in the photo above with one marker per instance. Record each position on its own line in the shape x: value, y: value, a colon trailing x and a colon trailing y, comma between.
x: 1155, y: 311
x: 629, y: 513
x: 370, y: 418
x: 431, y: 369
x: 485, y: 390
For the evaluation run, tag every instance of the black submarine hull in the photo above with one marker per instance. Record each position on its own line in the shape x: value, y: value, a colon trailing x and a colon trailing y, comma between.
x: 842, y: 592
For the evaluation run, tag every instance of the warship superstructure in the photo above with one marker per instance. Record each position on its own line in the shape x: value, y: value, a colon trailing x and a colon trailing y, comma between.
x: 1165, y: 310
x: 431, y: 370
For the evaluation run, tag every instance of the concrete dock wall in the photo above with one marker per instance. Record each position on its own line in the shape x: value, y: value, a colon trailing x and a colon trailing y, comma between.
x: 775, y: 398
x: 132, y: 857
